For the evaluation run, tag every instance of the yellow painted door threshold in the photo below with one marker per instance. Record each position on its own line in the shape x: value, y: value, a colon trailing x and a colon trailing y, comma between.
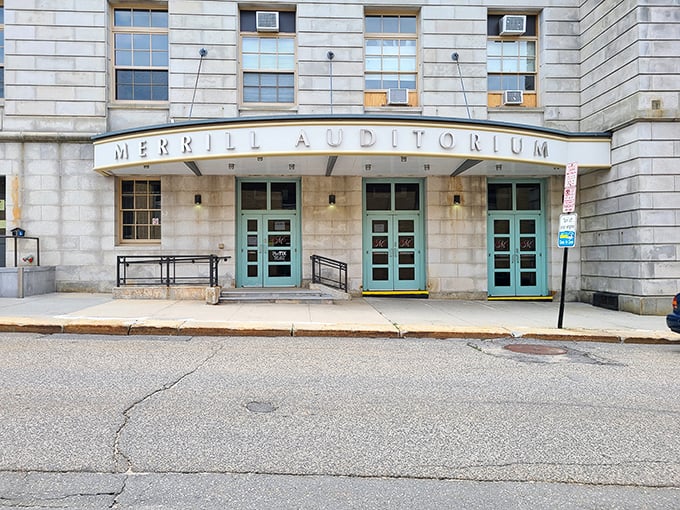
x: 519, y: 298
x: 396, y: 293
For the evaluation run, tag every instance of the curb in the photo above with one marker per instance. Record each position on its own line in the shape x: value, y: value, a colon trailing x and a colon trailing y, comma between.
x: 147, y: 327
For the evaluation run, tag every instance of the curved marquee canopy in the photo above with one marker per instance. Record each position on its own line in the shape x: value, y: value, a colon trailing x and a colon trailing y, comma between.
x: 367, y: 145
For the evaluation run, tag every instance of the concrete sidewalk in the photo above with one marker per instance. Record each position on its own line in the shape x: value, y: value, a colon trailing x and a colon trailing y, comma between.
x: 360, y: 317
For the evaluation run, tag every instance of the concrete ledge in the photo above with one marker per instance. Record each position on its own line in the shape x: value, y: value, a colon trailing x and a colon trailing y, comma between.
x: 19, y: 282
x: 97, y: 326
x: 348, y: 330
x: 155, y: 327
x: 30, y: 325
x: 224, y: 328
x: 179, y: 293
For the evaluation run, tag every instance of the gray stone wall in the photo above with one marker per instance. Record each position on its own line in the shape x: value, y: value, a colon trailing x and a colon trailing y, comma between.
x: 629, y: 215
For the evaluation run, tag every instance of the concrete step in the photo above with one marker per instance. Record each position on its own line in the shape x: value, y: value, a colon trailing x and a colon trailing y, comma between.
x: 278, y: 295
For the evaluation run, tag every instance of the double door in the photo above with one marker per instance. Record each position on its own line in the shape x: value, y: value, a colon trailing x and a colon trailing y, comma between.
x: 393, y: 254
x: 268, y: 234
x: 516, y: 239
x: 393, y: 235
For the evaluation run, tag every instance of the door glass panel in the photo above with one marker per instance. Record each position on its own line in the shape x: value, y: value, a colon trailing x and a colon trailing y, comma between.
x: 406, y: 196
x: 501, y: 261
x: 527, y: 244
x: 499, y: 197
x: 252, y: 271
x: 378, y: 196
x: 406, y: 242
x: 277, y: 240
x: 527, y: 226
x: 283, y: 196
x: 501, y: 279
x: 527, y: 261
x: 501, y: 226
x: 528, y: 196
x: 252, y: 255
x: 528, y: 279
x: 279, y: 271
x: 380, y: 274
x: 252, y: 225
x: 407, y: 273
x: 380, y: 258
x: 279, y: 256
x: 253, y: 195
x: 252, y: 240
x: 406, y: 226
x: 501, y: 244
x: 407, y: 257
x: 379, y: 226
x: 380, y: 242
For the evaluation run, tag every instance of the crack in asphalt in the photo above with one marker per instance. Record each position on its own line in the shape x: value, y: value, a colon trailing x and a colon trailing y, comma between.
x: 378, y: 476
x: 118, y: 455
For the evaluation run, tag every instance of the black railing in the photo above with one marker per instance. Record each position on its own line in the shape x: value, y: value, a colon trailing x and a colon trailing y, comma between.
x: 163, y: 270
x: 329, y: 272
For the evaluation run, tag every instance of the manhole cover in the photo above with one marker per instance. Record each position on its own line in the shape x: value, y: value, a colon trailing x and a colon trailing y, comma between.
x: 542, y: 350
x: 260, y: 407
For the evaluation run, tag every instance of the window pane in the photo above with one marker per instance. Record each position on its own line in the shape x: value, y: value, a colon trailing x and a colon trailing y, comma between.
x: 378, y: 196
x: 122, y: 17
x: 159, y: 19
x: 373, y: 24
x: 250, y: 44
x: 283, y: 195
x: 141, y: 18
x: 390, y: 24
x: 406, y: 196
x: 254, y: 195
x: 408, y: 82
x: 408, y: 25
x: 528, y: 197
x: 500, y: 197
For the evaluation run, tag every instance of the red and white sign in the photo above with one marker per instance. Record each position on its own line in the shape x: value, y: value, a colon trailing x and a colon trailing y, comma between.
x: 569, y: 198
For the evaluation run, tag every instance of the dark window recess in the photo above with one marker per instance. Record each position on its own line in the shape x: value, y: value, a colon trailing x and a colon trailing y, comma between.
x: 493, y: 24
x: 286, y: 21
x: 607, y: 300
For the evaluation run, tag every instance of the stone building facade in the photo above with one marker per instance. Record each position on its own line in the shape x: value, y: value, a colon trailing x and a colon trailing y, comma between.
x: 441, y: 130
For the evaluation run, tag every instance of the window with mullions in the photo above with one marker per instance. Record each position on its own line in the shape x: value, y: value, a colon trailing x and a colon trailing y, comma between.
x: 140, y: 210
x: 511, y: 60
x: 2, y: 51
x: 140, y: 39
x: 268, y: 60
x: 390, y: 60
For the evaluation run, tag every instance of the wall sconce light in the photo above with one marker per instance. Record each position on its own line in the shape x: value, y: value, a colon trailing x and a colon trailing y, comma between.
x: 331, y: 199
x: 426, y: 167
x: 367, y: 167
x: 197, y: 200
x: 232, y: 166
x: 404, y: 159
x: 291, y: 167
x: 456, y: 199
x: 499, y: 167
x: 260, y: 158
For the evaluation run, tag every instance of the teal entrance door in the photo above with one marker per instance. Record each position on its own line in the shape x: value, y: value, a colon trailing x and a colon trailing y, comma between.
x: 393, y: 236
x: 268, y: 253
x: 516, y: 240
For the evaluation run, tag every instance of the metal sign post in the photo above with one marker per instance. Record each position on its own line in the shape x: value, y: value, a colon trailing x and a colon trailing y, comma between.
x: 566, y: 236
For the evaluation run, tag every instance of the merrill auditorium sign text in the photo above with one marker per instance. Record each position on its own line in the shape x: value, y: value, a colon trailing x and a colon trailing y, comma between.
x: 335, y: 138
x: 176, y: 143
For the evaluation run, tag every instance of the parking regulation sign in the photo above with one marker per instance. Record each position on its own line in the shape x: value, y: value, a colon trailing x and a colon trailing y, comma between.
x: 569, y: 198
x: 566, y: 237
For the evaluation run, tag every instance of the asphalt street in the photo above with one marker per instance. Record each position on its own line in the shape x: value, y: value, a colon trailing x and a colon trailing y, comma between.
x: 250, y: 422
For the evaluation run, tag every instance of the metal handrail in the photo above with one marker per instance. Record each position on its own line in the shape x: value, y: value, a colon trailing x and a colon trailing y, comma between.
x: 167, y: 269
x: 328, y: 277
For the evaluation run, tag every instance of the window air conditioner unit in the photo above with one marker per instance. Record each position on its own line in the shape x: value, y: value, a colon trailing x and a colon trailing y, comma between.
x: 513, y: 25
x: 397, y: 96
x: 513, y: 96
x: 267, y: 21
